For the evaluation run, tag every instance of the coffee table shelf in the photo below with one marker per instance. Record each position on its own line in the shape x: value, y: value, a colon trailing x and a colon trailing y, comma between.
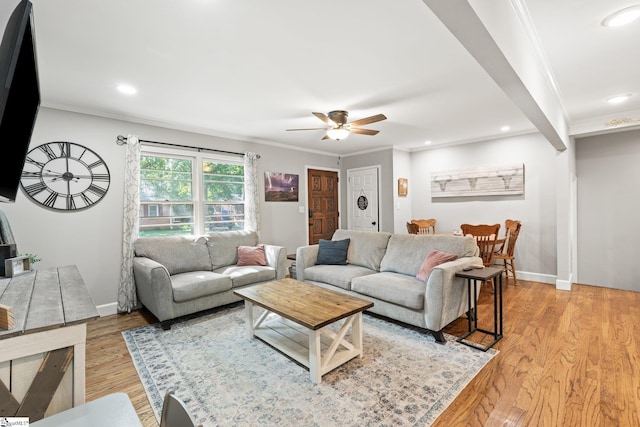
x: 300, y: 320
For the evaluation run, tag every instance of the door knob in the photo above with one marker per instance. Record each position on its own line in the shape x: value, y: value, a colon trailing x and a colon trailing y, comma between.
x: 373, y: 223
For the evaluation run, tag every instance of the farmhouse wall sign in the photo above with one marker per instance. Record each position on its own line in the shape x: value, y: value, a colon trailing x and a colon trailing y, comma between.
x: 482, y: 181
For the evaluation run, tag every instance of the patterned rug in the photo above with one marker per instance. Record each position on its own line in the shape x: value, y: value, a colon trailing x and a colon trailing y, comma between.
x: 226, y: 379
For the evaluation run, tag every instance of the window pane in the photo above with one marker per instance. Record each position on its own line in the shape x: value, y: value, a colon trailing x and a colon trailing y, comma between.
x: 165, y: 179
x: 223, y: 182
x: 223, y: 217
x: 170, y: 219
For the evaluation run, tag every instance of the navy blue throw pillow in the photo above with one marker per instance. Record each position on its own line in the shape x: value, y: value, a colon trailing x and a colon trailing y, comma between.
x: 333, y: 252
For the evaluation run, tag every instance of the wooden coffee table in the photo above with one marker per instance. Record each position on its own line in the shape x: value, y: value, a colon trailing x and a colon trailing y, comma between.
x: 302, y: 328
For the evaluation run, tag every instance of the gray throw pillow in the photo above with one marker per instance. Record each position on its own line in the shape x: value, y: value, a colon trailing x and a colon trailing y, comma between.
x: 333, y: 252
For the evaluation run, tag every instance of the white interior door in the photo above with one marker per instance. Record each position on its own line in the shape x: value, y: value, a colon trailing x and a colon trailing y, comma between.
x: 362, y: 206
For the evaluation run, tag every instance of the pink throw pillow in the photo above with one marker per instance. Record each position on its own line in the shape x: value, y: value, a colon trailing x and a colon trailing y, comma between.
x: 433, y: 259
x: 251, y: 255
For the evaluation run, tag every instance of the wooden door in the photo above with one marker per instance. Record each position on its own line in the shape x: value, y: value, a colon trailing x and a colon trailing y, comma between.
x: 323, y: 204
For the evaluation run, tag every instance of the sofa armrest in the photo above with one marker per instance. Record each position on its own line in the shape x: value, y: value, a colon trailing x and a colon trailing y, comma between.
x: 445, y: 294
x: 153, y: 285
x: 306, y: 257
x: 276, y: 257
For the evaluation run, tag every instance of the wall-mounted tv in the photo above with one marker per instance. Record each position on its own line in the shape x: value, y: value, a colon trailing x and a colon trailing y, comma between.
x: 19, y: 97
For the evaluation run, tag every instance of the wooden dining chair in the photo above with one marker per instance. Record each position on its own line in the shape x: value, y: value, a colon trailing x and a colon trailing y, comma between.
x: 486, y: 237
x: 506, y: 252
x: 425, y: 226
x: 412, y: 228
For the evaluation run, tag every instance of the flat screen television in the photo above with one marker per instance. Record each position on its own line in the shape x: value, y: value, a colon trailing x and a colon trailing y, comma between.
x: 19, y: 97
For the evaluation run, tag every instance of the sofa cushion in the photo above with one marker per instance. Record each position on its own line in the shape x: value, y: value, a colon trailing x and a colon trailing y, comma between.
x: 394, y: 288
x: 196, y: 284
x: 223, y: 246
x: 406, y: 252
x: 251, y: 255
x: 178, y: 254
x: 433, y: 259
x: 336, y: 276
x: 332, y: 252
x: 245, y: 275
x: 366, y: 248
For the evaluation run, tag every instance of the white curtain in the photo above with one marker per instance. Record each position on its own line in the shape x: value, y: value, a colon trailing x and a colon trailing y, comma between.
x: 251, y: 196
x: 127, y: 299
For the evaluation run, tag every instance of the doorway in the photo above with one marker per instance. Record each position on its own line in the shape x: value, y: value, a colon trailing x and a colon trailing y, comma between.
x: 363, y: 195
x: 322, y: 190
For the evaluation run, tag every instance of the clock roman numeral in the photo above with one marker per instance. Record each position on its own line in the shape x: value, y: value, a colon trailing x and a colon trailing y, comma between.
x: 100, y: 177
x: 65, y: 149
x: 36, y: 188
x: 51, y: 200
x: 71, y: 204
x: 27, y: 174
x: 97, y: 190
x: 34, y: 162
x: 47, y: 151
x: 96, y: 164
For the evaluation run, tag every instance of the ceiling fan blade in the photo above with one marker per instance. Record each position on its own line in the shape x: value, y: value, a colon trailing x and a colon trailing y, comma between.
x: 368, y: 120
x: 307, y: 129
x: 364, y: 131
x: 324, y: 118
x: 324, y: 137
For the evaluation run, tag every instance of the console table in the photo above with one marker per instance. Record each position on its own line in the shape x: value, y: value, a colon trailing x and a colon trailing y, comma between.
x: 51, y: 310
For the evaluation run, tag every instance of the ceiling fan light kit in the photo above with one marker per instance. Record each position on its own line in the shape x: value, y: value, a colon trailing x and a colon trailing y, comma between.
x: 339, y: 128
x: 338, y: 133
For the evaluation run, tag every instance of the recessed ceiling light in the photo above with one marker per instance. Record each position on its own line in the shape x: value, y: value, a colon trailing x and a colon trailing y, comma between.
x: 127, y: 89
x: 618, y: 99
x: 427, y: 143
x: 622, y: 17
x: 505, y: 128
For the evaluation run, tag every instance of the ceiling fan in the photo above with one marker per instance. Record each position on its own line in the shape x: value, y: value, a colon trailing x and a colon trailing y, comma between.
x: 340, y: 129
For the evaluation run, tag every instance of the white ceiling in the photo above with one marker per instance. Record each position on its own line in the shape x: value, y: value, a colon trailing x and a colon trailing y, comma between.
x: 250, y: 69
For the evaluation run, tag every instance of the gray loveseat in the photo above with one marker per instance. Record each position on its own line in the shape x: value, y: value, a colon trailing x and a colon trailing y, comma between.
x: 180, y: 275
x: 382, y: 268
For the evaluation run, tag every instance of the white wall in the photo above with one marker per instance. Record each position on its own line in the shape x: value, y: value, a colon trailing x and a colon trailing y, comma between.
x: 536, y: 247
x: 402, y: 205
x: 608, y: 206
x: 91, y: 238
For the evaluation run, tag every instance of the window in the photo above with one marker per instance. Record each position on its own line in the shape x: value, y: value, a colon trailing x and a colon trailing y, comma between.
x: 189, y: 194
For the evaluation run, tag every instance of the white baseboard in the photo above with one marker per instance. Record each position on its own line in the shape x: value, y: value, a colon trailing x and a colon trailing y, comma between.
x: 107, y: 309
x: 537, y: 277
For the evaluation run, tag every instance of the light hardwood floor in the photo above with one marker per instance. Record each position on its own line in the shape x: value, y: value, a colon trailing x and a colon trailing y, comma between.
x: 566, y: 359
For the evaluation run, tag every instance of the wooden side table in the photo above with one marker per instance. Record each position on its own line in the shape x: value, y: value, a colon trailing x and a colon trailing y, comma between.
x: 473, y: 277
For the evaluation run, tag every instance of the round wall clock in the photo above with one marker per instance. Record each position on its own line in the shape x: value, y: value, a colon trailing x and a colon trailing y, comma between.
x: 64, y: 176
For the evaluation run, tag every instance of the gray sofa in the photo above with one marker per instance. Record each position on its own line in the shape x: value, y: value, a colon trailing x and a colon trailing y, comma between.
x: 180, y: 275
x: 382, y: 268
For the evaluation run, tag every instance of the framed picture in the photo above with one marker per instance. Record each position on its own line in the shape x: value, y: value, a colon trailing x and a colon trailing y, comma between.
x: 280, y: 187
x: 403, y: 187
x: 16, y: 266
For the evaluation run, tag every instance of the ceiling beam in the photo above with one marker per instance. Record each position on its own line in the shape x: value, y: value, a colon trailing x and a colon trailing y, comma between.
x: 510, y: 58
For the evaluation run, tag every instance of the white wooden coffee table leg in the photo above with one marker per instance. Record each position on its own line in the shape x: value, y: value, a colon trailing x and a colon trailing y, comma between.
x: 248, y: 311
x: 315, y: 357
x: 356, y: 333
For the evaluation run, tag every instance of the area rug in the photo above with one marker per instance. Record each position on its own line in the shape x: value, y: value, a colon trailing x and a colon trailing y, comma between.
x: 226, y: 379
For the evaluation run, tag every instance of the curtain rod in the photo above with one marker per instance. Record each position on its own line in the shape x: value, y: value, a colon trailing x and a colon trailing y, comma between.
x: 122, y: 140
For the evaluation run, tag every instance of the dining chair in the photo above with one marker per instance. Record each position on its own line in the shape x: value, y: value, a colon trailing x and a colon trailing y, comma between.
x: 175, y: 413
x: 506, y: 251
x: 412, y: 228
x: 486, y: 237
x: 425, y: 226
